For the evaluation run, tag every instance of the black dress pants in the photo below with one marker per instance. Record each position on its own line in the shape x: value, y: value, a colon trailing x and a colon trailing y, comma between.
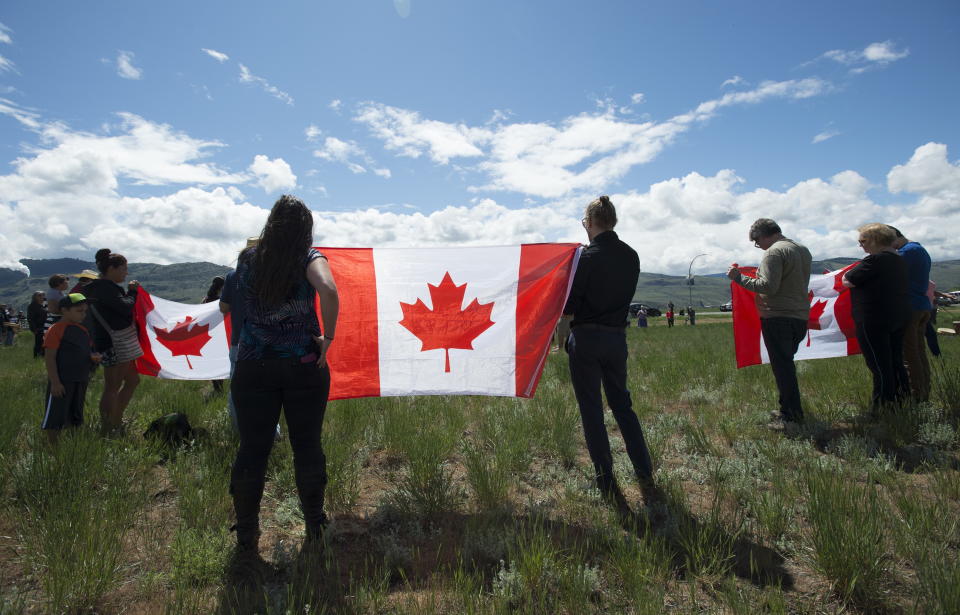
x: 882, y: 349
x: 599, y: 357
x: 782, y: 337
x: 260, y: 389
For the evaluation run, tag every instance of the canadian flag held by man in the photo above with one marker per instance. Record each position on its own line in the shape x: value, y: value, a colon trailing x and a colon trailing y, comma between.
x: 413, y: 321
x: 830, y: 328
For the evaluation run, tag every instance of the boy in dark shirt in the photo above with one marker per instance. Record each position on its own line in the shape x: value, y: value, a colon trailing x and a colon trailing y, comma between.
x: 68, y: 356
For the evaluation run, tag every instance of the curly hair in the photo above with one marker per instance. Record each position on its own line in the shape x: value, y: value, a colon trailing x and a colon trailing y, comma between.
x: 278, y: 259
x: 601, y: 212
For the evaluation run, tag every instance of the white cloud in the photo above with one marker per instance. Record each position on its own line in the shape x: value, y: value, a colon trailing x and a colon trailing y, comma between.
x: 27, y: 117
x: 406, y: 132
x: 734, y: 81
x: 7, y: 65
x: 247, y: 77
x: 273, y: 175
x: 336, y: 104
x: 70, y: 195
x: 931, y: 175
x: 826, y: 134
x: 585, y: 152
x: 312, y: 132
x: 5, y: 35
x: 638, y: 98
x: 219, y: 56
x: 347, y: 153
x: 125, y: 67
x: 874, y: 55
x: 883, y: 52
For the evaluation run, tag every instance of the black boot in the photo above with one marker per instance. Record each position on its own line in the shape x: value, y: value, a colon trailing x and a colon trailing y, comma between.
x: 311, y: 486
x: 246, y: 504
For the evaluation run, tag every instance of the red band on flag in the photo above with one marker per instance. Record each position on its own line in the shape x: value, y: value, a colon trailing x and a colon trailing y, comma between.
x: 354, y: 356
x: 146, y: 364
x: 541, y: 291
x: 746, y: 322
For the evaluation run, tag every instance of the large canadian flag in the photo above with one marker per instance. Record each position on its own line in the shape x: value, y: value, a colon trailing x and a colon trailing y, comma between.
x: 413, y: 321
x: 830, y: 328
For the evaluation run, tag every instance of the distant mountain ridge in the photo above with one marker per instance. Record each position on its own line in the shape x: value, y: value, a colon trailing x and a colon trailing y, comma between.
x: 188, y: 282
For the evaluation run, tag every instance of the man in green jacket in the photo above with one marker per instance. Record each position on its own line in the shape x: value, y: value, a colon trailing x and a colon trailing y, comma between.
x: 781, y: 287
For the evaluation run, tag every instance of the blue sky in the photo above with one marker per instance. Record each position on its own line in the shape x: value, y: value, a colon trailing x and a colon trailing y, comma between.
x: 164, y: 131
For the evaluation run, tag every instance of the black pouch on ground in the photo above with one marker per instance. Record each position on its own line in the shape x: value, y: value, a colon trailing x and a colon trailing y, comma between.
x: 174, y: 430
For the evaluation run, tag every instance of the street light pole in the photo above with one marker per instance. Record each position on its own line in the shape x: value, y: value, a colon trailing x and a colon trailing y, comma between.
x: 690, y: 280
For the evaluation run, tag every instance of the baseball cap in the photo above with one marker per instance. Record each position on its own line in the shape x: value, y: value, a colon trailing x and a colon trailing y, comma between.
x: 71, y: 300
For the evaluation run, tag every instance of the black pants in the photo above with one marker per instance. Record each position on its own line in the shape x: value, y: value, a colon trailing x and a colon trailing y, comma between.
x: 882, y: 349
x: 37, y: 343
x: 260, y: 388
x: 782, y: 337
x: 600, y: 357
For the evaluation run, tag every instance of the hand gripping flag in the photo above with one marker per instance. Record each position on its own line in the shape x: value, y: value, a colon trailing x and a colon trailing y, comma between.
x: 413, y: 321
x: 830, y: 328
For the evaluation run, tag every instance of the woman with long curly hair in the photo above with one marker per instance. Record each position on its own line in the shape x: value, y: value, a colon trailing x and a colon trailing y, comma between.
x: 281, y: 364
x: 114, y: 335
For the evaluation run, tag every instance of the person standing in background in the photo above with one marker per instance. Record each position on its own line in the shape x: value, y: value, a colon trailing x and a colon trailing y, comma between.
x: 917, y: 260
x: 36, y: 318
x: 59, y: 284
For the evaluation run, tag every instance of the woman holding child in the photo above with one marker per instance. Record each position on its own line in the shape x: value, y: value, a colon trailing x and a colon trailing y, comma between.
x: 281, y: 364
x: 114, y: 335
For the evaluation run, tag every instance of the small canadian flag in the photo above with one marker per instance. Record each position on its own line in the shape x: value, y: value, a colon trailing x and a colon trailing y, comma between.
x: 830, y: 328
x: 413, y: 321
x: 182, y: 341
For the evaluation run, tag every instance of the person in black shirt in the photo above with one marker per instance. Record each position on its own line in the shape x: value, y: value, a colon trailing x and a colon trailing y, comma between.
x: 37, y: 318
x: 114, y: 336
x: 878, y: 293
x: 599, y: 302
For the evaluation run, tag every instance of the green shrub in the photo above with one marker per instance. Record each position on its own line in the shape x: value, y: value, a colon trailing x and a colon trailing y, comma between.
x: 848, y: 530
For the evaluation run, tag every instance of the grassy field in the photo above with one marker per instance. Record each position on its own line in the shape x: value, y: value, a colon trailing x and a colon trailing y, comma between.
x: 482, y: 505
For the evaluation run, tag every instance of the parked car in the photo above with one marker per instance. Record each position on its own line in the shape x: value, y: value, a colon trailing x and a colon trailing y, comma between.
x: 651, y: 311
x: 726, y: 307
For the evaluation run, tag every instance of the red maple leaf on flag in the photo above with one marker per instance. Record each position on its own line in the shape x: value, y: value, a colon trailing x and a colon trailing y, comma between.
x: 816, y: 311
x: 184, y: 339
x: 446, y: 325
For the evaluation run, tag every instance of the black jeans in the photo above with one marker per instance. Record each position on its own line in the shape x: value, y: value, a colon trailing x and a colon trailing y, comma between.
x: 782, y: 337
x: 260, y: 388
x: 882, y: 349
x: 599, y: 356
x: 37, y: 343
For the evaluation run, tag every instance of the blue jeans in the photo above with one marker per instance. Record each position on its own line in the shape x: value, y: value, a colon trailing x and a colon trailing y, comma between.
x: 599, y: 358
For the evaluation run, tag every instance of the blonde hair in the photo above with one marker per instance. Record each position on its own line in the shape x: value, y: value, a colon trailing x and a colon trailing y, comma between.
x: 601, y: 212
x: 879, y: 234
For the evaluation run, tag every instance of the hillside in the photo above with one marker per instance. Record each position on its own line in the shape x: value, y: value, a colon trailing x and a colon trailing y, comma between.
x: 187, y: 282
x: 183, y: 282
